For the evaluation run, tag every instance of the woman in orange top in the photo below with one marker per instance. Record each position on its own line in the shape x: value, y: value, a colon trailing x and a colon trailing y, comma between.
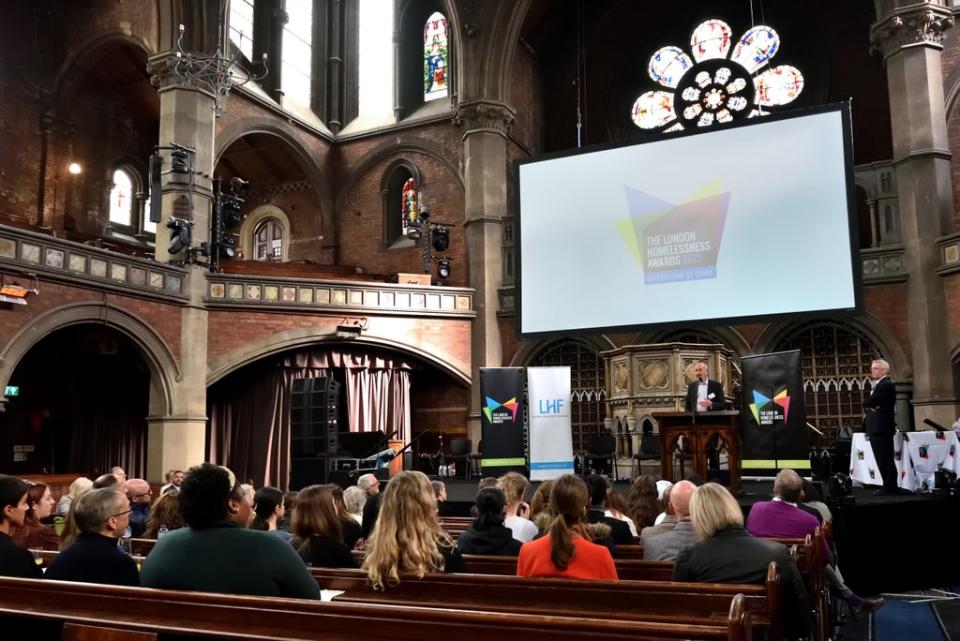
x: 566, y: 550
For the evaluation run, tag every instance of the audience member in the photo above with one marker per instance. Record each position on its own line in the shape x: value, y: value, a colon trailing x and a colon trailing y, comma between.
x: 352, y: 531
x: 268, y: 509
x: 728, y: 554
x: 566, y: 549
x: 616, y: 508
x: 663, y: 487
x: 540, y: 502
x: 215, y: 553
x: 642, y: 501
x: 79, y: 487
x: 290, y: 499
x: 317, y: 530
x: 249, y: 494
x: 140, y: 494
x: 102, y: 517
x: 174, y: 480
x: 487, y: 534
x: 782, y: 517
x: 668, y: 545
x: 354, y: 498
x: 119, y: 472
x: 513, y: 486
x: 33, y: 534
x: 15, y: 561
x: 619, y: 530
x: 661, y: 525
x: 107, y: 481
x: 485, y: 482
x: 812, y: 499
x: 370, y: 484
x: 407, y: 538
x: 164, y: 514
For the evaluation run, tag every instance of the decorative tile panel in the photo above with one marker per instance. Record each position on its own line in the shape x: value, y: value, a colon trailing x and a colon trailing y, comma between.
x: 99, y: 268
x: 118, y: 272
x: 30, y: 253
x: 53, y: 258
x: 77, y: 263
x: 8, y: 248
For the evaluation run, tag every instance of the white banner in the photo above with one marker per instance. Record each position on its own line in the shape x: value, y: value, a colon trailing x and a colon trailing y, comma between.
x: 551, y: 441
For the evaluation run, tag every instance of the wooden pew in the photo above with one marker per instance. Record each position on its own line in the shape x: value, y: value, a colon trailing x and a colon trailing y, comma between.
x: 36, y: 610
x: 663, y: 601
x: 632, y: 569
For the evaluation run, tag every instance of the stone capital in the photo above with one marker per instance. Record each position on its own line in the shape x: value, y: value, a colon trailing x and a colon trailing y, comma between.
x: 168, y: 71
x: 484, y: 116
x: 920, y: 25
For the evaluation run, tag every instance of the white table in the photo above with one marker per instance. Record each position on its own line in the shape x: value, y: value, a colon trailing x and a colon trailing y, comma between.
x: 917, y: 455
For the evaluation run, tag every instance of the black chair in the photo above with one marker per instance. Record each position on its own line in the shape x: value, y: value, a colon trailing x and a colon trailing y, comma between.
x: 649, y: 449
x: 475, y: 462
x: 460, y: 454
x: 602, y: 447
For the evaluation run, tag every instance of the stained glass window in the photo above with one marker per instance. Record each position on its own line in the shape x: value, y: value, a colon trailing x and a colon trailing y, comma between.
x: 121, y: 198
x: 268, y: 241
x: 707, y: 86
x: 435, y: 57
x: 241, y: 26
x: 297, y: 52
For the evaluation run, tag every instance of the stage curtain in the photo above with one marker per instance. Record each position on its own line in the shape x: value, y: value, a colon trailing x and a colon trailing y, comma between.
x: 249, y: 429
x: 105, y: 436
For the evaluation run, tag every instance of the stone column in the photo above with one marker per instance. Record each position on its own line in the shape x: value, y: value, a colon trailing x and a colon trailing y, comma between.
x: 187, y: 117
x: 909, y: 34
x: 485, y: 125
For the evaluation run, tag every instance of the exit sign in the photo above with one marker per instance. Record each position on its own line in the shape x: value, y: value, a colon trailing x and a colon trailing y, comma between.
x: 11, y: 390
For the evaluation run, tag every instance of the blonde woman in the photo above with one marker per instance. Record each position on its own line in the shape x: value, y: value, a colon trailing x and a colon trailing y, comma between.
x: 407, y: 538
x: 78, y: 488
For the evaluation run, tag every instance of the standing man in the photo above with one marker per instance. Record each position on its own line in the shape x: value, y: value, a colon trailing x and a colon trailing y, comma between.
x: 704, y: 394
x: 880, y: 425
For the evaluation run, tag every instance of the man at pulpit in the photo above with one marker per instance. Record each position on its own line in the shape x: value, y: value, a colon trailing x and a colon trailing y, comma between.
x: 704, y: 394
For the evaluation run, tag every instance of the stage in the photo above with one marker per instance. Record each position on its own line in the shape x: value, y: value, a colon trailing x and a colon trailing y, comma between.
x: 885, y: 543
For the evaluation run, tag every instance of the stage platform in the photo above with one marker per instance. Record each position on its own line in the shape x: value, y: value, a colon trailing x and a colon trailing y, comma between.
x: 885, y: 543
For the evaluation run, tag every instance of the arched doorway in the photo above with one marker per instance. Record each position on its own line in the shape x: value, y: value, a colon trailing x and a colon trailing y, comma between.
x: 82, y: 398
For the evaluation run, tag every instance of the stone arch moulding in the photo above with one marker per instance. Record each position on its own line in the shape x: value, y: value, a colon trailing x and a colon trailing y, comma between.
x: 164, y: 370
x: 304, y: 337
x: 254, y: 218
x: 729, y: 336
x: 874, y: 328
x: 529, y: 350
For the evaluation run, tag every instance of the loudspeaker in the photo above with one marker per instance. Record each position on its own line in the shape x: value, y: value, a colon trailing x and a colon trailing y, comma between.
x: 307, y: 471
x: 314, y: 417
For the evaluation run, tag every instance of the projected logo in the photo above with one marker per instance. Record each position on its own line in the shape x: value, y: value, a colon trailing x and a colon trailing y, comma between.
x: 767, y: 410
x: 497, y: 412
x: 675, y: 242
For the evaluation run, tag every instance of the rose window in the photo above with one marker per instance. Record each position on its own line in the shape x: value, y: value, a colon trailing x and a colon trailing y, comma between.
x: 714, y: 85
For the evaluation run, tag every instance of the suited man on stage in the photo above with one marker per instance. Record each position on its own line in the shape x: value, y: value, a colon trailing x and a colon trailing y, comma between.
x: 704, y: 394
x: 880, y: 425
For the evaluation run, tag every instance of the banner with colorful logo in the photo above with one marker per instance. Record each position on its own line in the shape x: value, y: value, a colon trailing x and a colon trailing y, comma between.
x: 551, y: 440
x: 773, y: 417
x: 501, y: 420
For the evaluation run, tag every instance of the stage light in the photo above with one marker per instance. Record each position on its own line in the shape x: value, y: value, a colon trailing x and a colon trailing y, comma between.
x: 440, y: 239
x: 179, y: 235
x: 443, y: 268
x: 75, y: 168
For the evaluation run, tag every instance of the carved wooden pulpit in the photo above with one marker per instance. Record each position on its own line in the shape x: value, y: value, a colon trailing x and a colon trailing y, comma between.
x: 702, y: 439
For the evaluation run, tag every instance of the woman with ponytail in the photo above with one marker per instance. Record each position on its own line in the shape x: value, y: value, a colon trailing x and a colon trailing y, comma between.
x: 268, y: 509
x: 567, y: 550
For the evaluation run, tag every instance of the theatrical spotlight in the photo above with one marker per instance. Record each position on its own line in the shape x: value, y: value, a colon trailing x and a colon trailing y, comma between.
x: 440, y: 239
x: 443, y: 268
x: 841, y: 489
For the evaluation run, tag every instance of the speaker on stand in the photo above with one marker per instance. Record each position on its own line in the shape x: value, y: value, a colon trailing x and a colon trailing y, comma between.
x: 314, y: 424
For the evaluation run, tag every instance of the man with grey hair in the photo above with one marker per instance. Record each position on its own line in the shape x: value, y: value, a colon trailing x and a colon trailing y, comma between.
x: 667, y: 546
x: 880, y: 424
x: 102, y: 517
x: 369, y: 483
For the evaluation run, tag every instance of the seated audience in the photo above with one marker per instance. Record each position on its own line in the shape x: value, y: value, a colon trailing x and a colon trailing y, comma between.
x: 487, y: 534
x: 140, y: 494
x: 317, y: 530
x: 566, y: 550
x: 782, y: 517
x: 79, y: 487
x: 440, y: 491
x: 32, y: 534
x: 616, y: 507
x: 352, y: 531
x: 728, y: 554
x: 107, y: 481
x: 102, y: 517
x: 513, y: 486
x: 370, y: 484
x: 667, y: 523
x: 216, y: 553
x: 619, y: 530
x: 119, y: 472
x: 165, y: 512
x: 248, y: 493
x: 812, y: 500
x: 354, y: 498
x: 290, y: 503
x: 642, y: 503
x: 268, y: 509
x: 408, y: 538
x: 15, y: 561
x: 485, y: 482
x: 174, y: 479
x: 663, y: 487
x: 540, y: 500
x: 668, y: 545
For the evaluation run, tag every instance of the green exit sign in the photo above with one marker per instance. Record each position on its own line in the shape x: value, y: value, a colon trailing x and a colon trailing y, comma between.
x: 11, y: 390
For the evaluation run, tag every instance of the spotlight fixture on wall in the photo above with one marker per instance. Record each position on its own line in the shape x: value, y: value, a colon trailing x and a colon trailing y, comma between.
x: 443, y: 268
x: 351, y: 327
x: 436, y: 237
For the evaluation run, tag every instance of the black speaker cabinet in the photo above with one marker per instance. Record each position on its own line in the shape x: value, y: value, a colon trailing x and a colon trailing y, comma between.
x: 314, y: 417
x: 308, y: 471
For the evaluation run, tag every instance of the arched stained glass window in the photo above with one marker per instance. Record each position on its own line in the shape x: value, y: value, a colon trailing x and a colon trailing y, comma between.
x: 435, y: 57
x: 708, y: 86
x: 122, y: 198
x: 268, y: 241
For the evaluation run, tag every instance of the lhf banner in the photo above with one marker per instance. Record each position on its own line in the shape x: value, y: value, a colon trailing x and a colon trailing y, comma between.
x: 551, y: 442
x: 773, y: 418
x: 501, y: 420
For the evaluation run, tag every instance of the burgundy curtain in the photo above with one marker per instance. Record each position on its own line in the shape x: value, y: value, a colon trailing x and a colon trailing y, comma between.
x: 249, y: 428
x: 107, y: 436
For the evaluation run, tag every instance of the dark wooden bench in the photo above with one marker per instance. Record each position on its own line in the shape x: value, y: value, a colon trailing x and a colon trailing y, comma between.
x: 37, y: 610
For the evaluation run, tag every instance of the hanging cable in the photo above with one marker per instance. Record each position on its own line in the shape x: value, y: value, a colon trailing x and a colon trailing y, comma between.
x: 579, y: 80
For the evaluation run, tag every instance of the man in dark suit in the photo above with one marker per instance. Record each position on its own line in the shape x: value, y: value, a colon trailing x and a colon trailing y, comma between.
x: 704, y: 394
x: 880, y: 425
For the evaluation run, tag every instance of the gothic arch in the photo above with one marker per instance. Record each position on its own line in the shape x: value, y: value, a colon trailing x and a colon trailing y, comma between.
x: 530, y: 350
x: 254, y: 218
x: 164, y: 370
x: 302, y: 337
x: 729, y: 336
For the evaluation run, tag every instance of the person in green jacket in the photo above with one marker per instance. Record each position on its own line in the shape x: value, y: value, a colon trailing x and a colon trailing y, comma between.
x: 216, y: 553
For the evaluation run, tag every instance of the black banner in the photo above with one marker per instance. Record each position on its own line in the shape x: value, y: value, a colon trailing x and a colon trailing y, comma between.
x: 501, y: 409
x: 773, y: 417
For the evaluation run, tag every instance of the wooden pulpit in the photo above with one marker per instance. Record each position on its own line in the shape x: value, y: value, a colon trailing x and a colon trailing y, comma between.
x: 701, y: 432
